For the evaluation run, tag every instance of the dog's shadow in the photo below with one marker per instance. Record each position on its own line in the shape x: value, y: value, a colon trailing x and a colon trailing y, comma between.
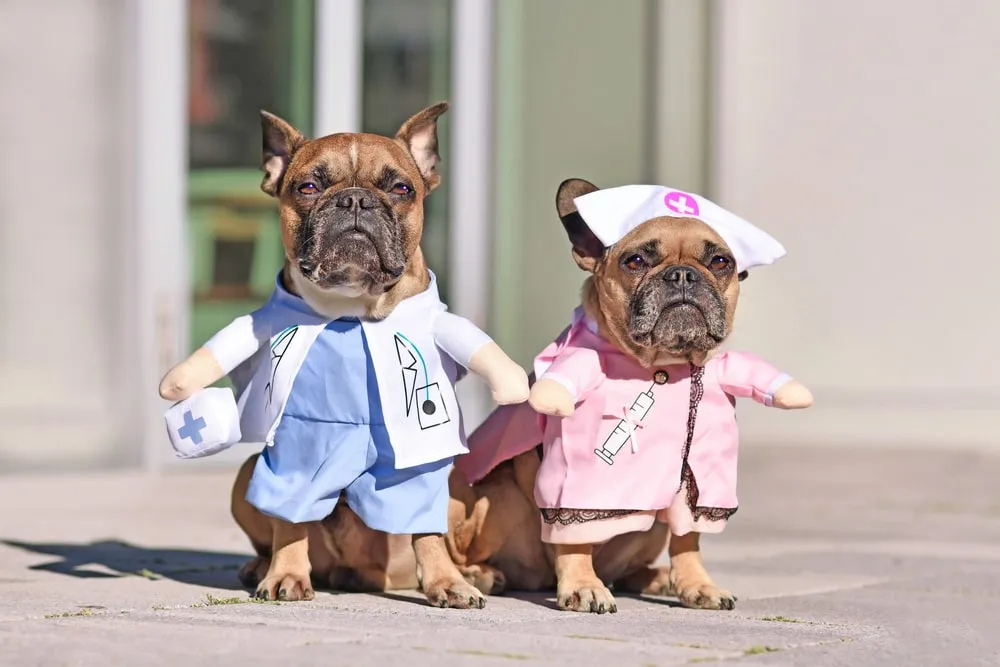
x: 540, y: 598
x: 113, y: 558
x: 545, y: 599
x: 212, y: 569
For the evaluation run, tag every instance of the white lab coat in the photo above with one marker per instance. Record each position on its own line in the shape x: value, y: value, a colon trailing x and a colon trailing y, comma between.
x: 263, y: 351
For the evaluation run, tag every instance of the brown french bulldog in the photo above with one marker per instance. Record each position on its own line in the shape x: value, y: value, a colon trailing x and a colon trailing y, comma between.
x: 351, y: 211
x: 634, y: 302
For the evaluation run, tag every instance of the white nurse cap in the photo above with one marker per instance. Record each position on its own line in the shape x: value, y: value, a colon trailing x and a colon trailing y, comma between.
x: 614, y: 212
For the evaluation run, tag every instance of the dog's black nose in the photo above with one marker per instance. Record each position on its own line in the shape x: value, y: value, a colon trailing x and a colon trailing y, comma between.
x: 355, y: 198
x: 681, y: 276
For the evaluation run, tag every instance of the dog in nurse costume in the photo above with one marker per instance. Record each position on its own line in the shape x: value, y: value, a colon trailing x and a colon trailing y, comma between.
x: 635, y: 407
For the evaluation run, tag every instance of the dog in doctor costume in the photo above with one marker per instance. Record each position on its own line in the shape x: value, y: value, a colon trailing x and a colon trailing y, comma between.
x: 346, y: 374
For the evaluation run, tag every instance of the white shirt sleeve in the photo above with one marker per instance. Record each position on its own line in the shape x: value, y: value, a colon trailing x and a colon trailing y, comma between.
x: 459, y: 338
x: 239, y: 340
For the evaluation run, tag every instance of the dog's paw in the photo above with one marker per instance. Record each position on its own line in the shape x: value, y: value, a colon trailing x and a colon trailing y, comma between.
x: 705, y: 596
x: 454, y: 593
x: 253, y: 571
x: 591, y: 597
x: 488, y: 579
x: 285, y: 586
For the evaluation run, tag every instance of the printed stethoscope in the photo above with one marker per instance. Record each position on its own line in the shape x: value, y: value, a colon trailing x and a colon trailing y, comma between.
x: 427, y: 406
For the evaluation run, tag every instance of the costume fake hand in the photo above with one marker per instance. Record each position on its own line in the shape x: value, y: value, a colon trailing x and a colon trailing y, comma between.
x: 551, y: 398
x: 191, y: 375
x: 793, y: 395
x: 507, y: 380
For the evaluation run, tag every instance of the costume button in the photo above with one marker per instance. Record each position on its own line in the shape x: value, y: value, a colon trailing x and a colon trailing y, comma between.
x: 660, y: 377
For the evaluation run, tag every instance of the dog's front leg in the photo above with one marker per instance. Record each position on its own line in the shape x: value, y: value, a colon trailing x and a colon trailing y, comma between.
x: 578, y: 587
x: 689, y: 580
x: 287, y: 577
x: 440, y: 579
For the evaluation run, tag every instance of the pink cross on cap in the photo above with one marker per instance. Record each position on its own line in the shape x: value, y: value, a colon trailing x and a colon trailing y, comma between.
x: 681, y: 203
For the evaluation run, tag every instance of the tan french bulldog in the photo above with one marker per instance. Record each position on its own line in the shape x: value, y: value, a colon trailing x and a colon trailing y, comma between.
x: 351, y: 210
x: 662, y: 300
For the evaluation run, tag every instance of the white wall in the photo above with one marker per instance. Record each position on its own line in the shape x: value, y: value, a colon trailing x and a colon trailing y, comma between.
x: 65, y: 357
x: 866, y: 136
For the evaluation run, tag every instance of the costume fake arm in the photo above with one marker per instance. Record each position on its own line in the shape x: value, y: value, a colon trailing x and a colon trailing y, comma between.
x: 747, y: 376
x: 221, y: 354
x: 464, y: 342
x: 571, y: 376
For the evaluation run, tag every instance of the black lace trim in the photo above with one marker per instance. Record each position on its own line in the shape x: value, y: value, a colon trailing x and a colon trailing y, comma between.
x: 697, y: 393
x: 687, y: 475
x: 570, y: 516
x: 699, y: 512
x: 714, y: 513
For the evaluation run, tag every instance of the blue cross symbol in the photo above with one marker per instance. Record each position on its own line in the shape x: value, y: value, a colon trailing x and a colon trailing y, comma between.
x: 192, y: 428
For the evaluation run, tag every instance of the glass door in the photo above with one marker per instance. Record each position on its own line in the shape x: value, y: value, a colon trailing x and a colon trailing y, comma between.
x: 247, y: 55
x: 244, y: 56
x: 332, y: 65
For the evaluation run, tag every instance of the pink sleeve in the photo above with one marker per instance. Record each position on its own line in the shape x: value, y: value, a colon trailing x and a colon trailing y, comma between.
x: 578, y: 369
x: 745, y: 375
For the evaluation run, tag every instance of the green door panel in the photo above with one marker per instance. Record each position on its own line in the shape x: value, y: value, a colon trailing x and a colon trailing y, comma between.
x: 245, y: 55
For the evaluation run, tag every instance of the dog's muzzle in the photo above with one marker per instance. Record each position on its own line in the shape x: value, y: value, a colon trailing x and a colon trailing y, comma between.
x: 353, y: 236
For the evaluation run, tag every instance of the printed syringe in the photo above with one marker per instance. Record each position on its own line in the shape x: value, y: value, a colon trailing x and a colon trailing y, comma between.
x: 621, y: 433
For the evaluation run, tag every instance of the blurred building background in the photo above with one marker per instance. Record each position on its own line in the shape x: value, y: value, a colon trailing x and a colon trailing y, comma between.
x: 862, y: 134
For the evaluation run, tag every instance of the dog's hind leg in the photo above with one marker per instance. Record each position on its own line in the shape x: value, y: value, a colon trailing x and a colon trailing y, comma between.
x: 466, y: 514
x: 488, y: 579
x: 646, y: 581
x: 357, y: 581
x: 472, y: 539
x: 629, y: 559
x: 256, y: 526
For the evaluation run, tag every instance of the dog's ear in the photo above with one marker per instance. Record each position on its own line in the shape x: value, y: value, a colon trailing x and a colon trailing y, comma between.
x: 587, y: 248
x: 419, y: 135
x: 280, y: 141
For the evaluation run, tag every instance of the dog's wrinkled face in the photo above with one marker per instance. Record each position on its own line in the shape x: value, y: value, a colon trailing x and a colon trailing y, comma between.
x: 668, y: 289
x: 679, y: 281
x: 351, y: 204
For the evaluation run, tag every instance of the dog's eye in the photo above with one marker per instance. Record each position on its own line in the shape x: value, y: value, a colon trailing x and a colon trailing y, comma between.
x: 308, y: 188
x: 719, y: 263
x: 401, y: 189
x: 635, y: 263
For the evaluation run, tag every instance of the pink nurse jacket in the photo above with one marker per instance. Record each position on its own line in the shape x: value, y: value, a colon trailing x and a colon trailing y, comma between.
x: 645, y: 473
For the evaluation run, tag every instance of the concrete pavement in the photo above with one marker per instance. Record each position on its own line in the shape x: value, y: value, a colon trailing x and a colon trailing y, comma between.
x: 839, y: 557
